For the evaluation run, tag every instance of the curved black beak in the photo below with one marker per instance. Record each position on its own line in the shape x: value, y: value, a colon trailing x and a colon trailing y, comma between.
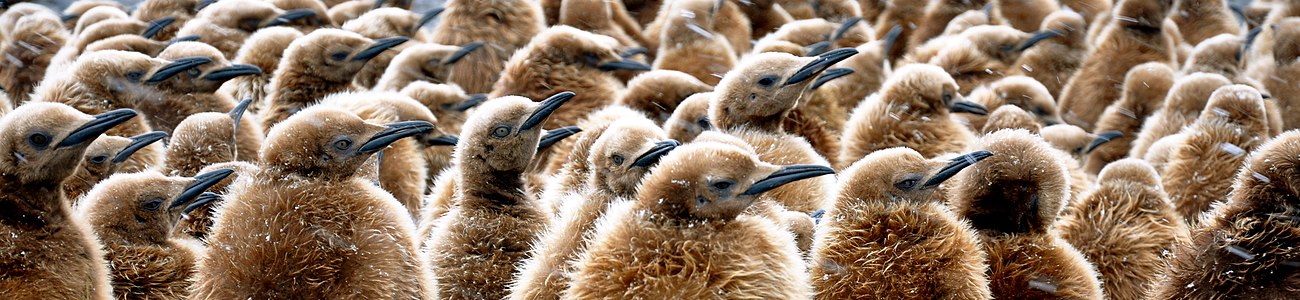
x: 465, y: 49
x: 203, y: 199
x: 830, y: 74
x: 844, y: 28
x: 395, y: 131
x: 787, y: 175
x: 378, y: 4
x: 817, y: 48
x: 157, y: 26
x: 231, y: 72
x: 817, y: 216
x: 1102, y: 138
x: 236, y: 114
x: 957, y: 164
x: 544, y: 110
x: 474, y: 100
x: 138, y: 142
x: 653, y: 155
x: 201, y: 184
x: 963, y: 106
x: 203, y: 4
x: 66, y: 18
x: 1038, y: 37
x: 446, y: 140
x: 188, y: 38
x: 625, y: 64
x: 91, y: 130
x: 820, y: 64
x: 424, y: 19
x: 987, y: 9
x: 176, y: 67
x: 554, y: 136
x: 1250, y: 38
x: 891, y: 37
x: 633, y: 52
x: 290, y: 16
x: 378, y: 47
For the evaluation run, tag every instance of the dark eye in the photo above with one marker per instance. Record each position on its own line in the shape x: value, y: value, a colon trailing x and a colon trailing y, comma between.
x: 99, y: 159
x: 590, y: 58
x: 39, y: 140
x: 152, y: 205
x: 343, y: 144
x: 339, y: 55
x: 703, y: 123
x: 947, y: 97
x: 907, y: 184
x: 767, y: 81
x: 699, y: 201
x: 722, y: 185
x: 618, y: 159
x: 134, y: 76
x: 192, y: 72
x: 501, y: 131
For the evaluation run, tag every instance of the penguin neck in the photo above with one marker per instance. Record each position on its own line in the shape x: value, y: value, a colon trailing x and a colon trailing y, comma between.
x: 299, y: 90
x: 32, y: 206
x: 494, y: 188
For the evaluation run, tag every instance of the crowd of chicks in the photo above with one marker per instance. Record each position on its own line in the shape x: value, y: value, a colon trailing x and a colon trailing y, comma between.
x: 651, y: 149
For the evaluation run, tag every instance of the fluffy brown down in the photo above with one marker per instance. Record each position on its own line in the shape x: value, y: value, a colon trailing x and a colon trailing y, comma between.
x: 910, y: 110
x: 503, y: 27
x: 1144, y: 85
x: 1180, y: 108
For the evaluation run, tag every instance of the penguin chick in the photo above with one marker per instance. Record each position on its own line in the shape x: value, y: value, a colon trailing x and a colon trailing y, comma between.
x: 936, y: 18
x: 687, y: 43
x: 319, y: 14
x: 263, y: 49
x: 1126, y: 228
x: 599, y: 17
x: 704, y: 188
x: 133, y: 214
x: 423, y: 62
x: 1093, y: 11
x: 838, y: 10
x: 1221, y: 54
x: 318, y: 64
x: 1160, y: 151
x: 451, y: 105
x: 9, y: 18
x: 182, y: 10
x: 905, y: 14
x: 1011, y: 199
x: 764, y: 16
x: 95, y: 14
x: 194, y: 88
x: 1247, y: 246
x: 1199, y: 20
x: 29, y: 48
x: 1180, y: 108
x: 572, y: 168
x: 1020, y: 91
x: 204, y: 139
x: 1282, y: 82
x: 44, y: 243
x: 690, y: 118
x: 102, y: 30
x: 72, y: 14
x: 227, y: 24
x: 349, y: 10
x: 198, y: 222
x: 911, y: 110
x: 1024, y: 15
x: 889, y: 227
x: 1010, y: 117
x: 502, y: 26
x: 618, y: 160
x: 103, y: 158
x: 1054, y: 53
x: 658, y: 93
x: 969, y: 67
x: 497, y: 146
x: 1134, y: 37
x: 1143, y: 86
x: 391, y: 21
x: 132, y: 43
x: 342, y: 231
x: 1199, y: 171
x: 966, y: 20
x: 837, y: 97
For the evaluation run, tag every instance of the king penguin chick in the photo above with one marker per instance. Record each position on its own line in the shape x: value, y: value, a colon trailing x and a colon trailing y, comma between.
x: 1126, y: 228
x: 47, y: 251
x: 1054, y: 53
x: 688, y: 212
x: 1011, y: 199
x: 226, y: 24
x: 133, y: 43
x: 658, y: 93
x: 133, y: 214
x: 1020, y: 91
x: 319, y: 17
x: 1091, y: 10
x: 599, y: 17
x: 72, y: 14
x: 95, y: 14
x: 936, y: 18
x: 103, y: 159
x: 204, y: 139
x: 1180, y: 108
x: 1199, y: 20
x: 1248, y: 245
x: 688, y: 44
x: 1024, y: 15
x: 1010, y: 117
x: 1284, y: 80
x: 194, y: 90
x: 423, y: 62
x: 890, y: 228
x: 264, y: 49
x: 342, y: 232
x: 197, y: 223
x: 1223, y: 55
x: 911, y: 110
x: 502, y: 26
x: 316, y: 65
x: 571, y: 169
x: 904, y: 14
x: 383, y: 23
x: 451, y: 105
x: 1132, y: 38
x: 1144, y: 86
x: 29, y: 49
x: 476, y: 246
x: 181, y: 10
x: 76, y: 45
x: 690, y: 118
x: 1200, y: 169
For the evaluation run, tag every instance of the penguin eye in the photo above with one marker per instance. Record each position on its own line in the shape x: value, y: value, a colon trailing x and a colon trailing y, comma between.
x: 192, y: 72
x: 501, y: 131
x: 701, y: 201
x: 590, y: 58
x: 906, y: 184
x: 947, y: 97
x: 134, y: 76
x: 38, y: 140
x: 152, y: 205
x: 343, y: 144
x: 99, y: 159
x: 618, y: 159
x: 722, y: 185
x: 767, y: 81
x: 703, y: 123
x: 339, y: 55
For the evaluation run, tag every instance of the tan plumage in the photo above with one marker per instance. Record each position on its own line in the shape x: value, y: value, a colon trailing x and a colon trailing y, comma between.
x: 1144, y: 86
x: 29, y: 48
x: 129, y: 42
x: 911, y: 110
x: 1180, y: 108
x: 226, y: 24
x: 76, y: 45
x: 423, y: 62
x: 937, y: 15
x: 208, y: 138
x: 1199, y: 20
x: 1200, y: 169
x: 1024, y: 15
x: 764, y: 16
x: 1010, y: 117
x: 1159, y: 153
x: 1054, y: 61
x: 263, y: 49
x: 658, y: 93
x: 384, y: 23
x: 195, y: 91
x: 181, y: 10
x: 503, y: 27
x: 451, y: 105
x: 833, y: 101
x: 1020, y: 91
x: 687, y: 42
x: 318, y: 64
x: 348, y: 10
x: 905, y: 14
x: 560, y: 59
x: 198, y: 223
x: 1123, y: 45
x: 77, y: 9
x: 573, y: 168
x: 598, y: 16
x: 320, y: 18
x: 690, y: 118
x: 103, y: 158
x: 1091, y: 10
x: 1282, y: 83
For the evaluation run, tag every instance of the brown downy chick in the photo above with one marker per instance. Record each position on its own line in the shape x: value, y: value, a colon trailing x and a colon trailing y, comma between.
x: 1221, y: 54
x: 1160, y: 151
x: 452, y: 106
x: 502, y: 26
x: 966, y: 20
x: 12, y: 13
x: 1247, y: 247
x: 182, y: 10
x: 838, y: 10
x: 1180, y: 108
x: 264, y: 49
x: 911, y: 110
x: 1054, y: 53
x: 937, y: 15
x: 1199, y: 171
x: 1199, y: 20
x: 103, y: 159
x: 476, y: 246
x: 798, y: 9
x: 598, y: 16
x: 1091, y: 10
x: 1020, y: 91
x: 905, y: 14
x: 1073, y: 143
x: 1024, y: 15
x: 134, y: 214
x: 318, y: 64
x: 193, y: 88
x: 423, y: 62
x: 573, y: 169
x: 658, y: 93
x: 76, y: 45
x: 72, y: 14
x: 208, y: 138
x: 48, y: 251
x: 337, y: 229
x: 764, y: 16
x: 198, y: 222
x: 690, y: 118
x: 689, y: 213
x: 838, y: 97
x: 94, y: 14
x: 1134, y: 37
x: 226, y: 24
x: 134, y: 43
x: 1284, y: 82
x: 687, y: 43
x: 966, y: 65
x: 618, y: 160
x: 1126, y: 227
x: 1012, y: 199
x: 383, y: 23
x: 1011, y: 117
x: 871, y: 9
x: 29, y: 49
x: 349, y: 10
x: 1144, y: 88
x: 816, y: 36
x: 890, y: 216
x: 307, y: 25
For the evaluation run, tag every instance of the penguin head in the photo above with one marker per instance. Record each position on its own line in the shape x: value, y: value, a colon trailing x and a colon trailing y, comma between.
x: 431, y: 62
x: 926, y: 90
x: 1190, y: 92
x: 1221, y: 54
x: 128, y: 42
x: 508, y: 13
x: 1024, y: 92
x: 107, y: 152
x: 16, y: 11
x: 902, y: 174
x: 690, y: 118
x: 127, y: 76
x: 245, y: 15
x: 142, y: 208
x: 335, y: 55
x: 329, y: 143
x: 266, y: 47
x: 1239, y: 106
x: 203, y: 78
x: 998, y: 41
x: 1019, y: 190
x: 591, y: 14
x: 968, y: 66
x: 212, y: 132
x: 318, y: 14
x: 659, y: 92
x: 387, y: 106
x: 384, y: 22
x: 1067, y: 138
x: 1270, y: 181
x: 94, y: 15
x: 764, y: 87
x: 502, y: 134
x: 1130, y: 170
x: 447, y: 101
x: 1146, y: 83
x: 567, y: 48
x: 689, y: 20
x: 625, y: 151
x: 109, y: 28
x: 42, y: 142
x: 1010, y: 117
x: 1286, y: 45
x: 1141, y: 16
x: 711, y: 181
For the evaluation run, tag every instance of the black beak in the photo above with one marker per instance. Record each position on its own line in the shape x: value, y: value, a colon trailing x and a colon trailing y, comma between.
x: 844, y: 28
x: 188, y: 38
x: 891, y: 37
x: 465, y: 49
x: 820, y: 64
x: 238, y: 113
x: 378, y: 47
x: 556, y: 135
x: 201, y: 184
x: 395, y: 131
x: 290, y: 16
x: 446, y: 140
x: 66, y: 18
x: 1038, y: 37
x: 203, y: 199
x: 987, y: 9
x: 1102, y: 138
x: 424, y: 19
x: 787, y: 175
x: 378, y: 4
x: 1250, y: 38
x: 138, y: 142
x: 957, y: 164
x: 544, y: 110
x: 176, y: 67
x: 830, y: 74
x: 203, y: 4
x: 652, y: 156
x: 817, y: 48
x: 231, y: 72
x: 633, y: 52
x: 474, y: 100
x: 963, y: 106
x: 156, y: 26
x: 625, y: 64
x: 91, y: 130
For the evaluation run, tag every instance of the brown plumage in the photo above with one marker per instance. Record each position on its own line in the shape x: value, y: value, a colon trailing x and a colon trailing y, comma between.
x: 226, y: 24
x: 76, y: 44
x: 911, y: 110
x: 1200, y: 169
x: 1247, y: 246
x: 1091, y: 10
x: 340, y: 231
x: 690, y: 118
x: 198, y: 222
x: 571, y: 169
x: 1073, y: 142
x: 687, y: 42
x: 320, y: 14
x: 451, y: 105
x: 423, y: 62
x: 103, y: 158
x: 966, y: 20
x: 1201, y: 19
x: 129, y: 42
x: 1010, y: 117
x: 29, y: 48
x: 263, y: 49
x: 318, y: 64
x: 95, y: 14
x: 195, y: 89
x: 383, y: 23
x: 764, y: 16
x: 937, y: 15
x: 833, y: 101
x: 204, y: 139
x: 1284, y: 82
x: 817, y: 33
x: 1136, y: 37
x: 1020, y: 91
x: 1221, y: 54
x: 969, y: 67
x: 1024, y: 15
x: 1126, y: 227
x: 1054, y: 60
x: 598, y: 16
x: 658, y: 93
x: 1159, y: 153
x: 1011, y: 199
x: 889, y: 234
x: 503, y: 27
x: 1144, y: 88
x: 349, y: 10
x: 43, y: 242
x: 905, y: 14
x: 74, y: 11
x: 181, y: 10
x: 1180, y: 108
